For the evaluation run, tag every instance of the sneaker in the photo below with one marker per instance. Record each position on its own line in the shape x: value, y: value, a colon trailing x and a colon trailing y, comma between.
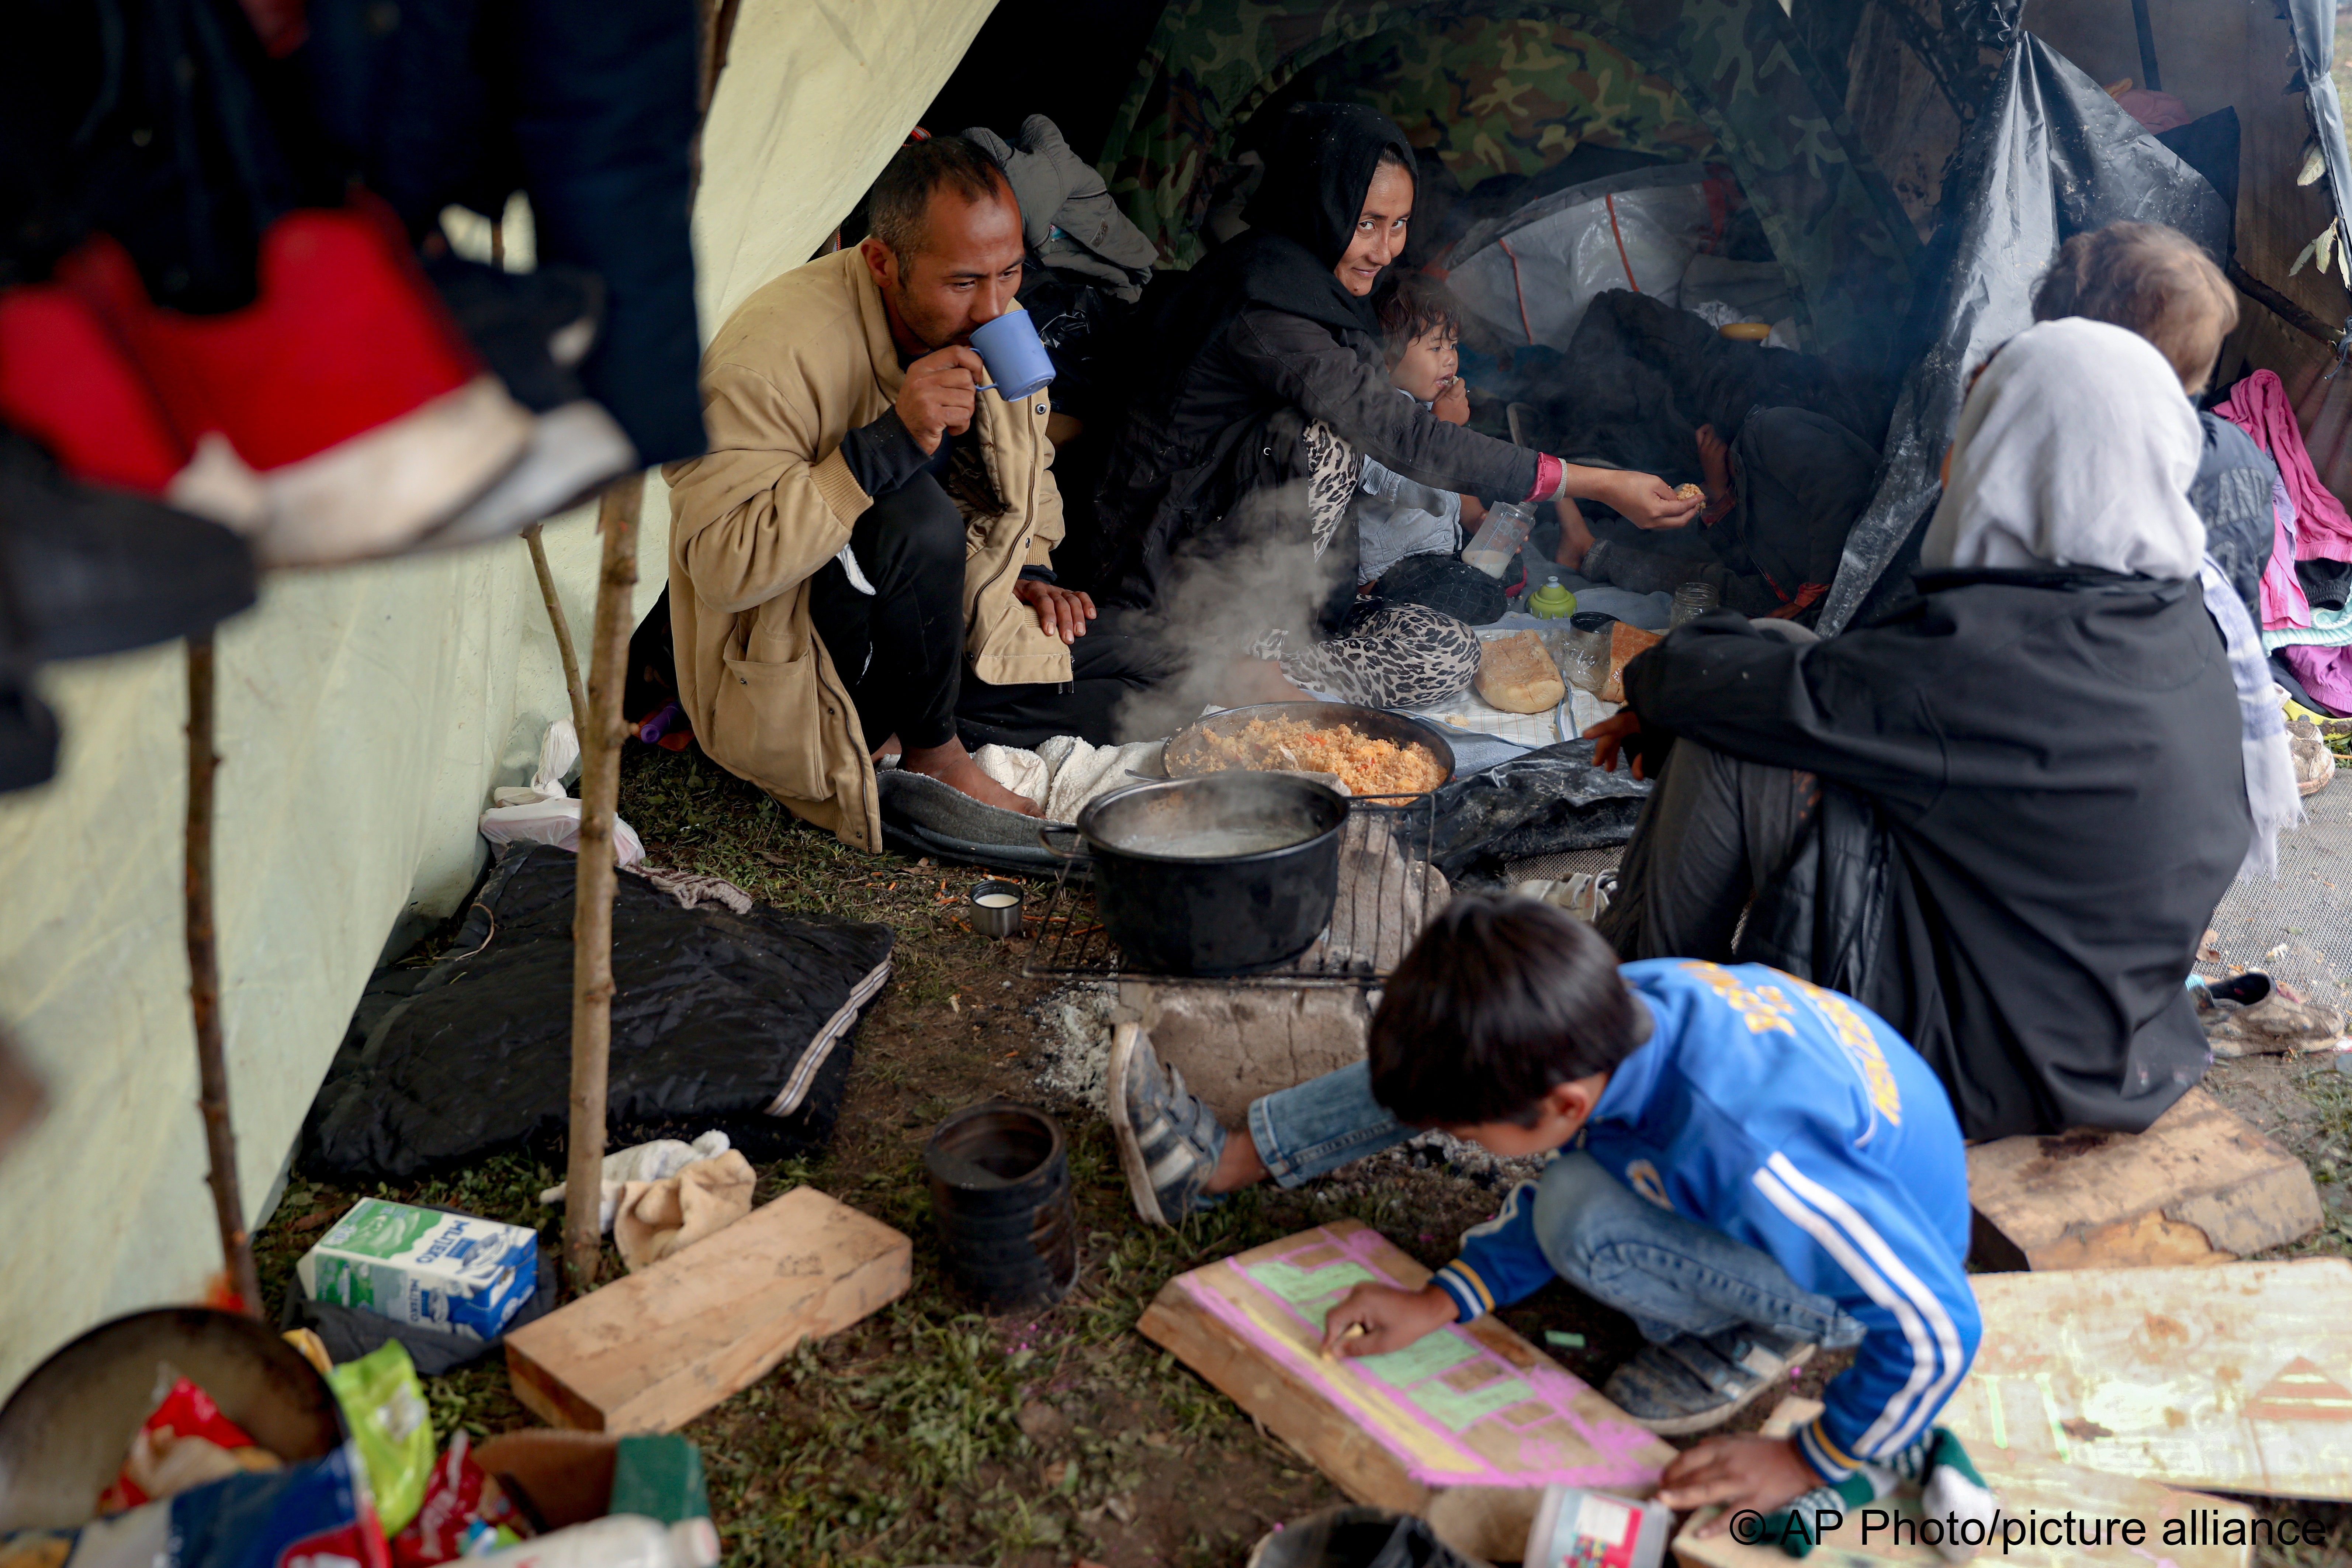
x: 366, y: 419
x: 573, y: 450
x: 2315, y: 765
x: 2272, y: 1020
x: 1696, y: 1381
x: 1167, y: 1141
x: 93, y: 571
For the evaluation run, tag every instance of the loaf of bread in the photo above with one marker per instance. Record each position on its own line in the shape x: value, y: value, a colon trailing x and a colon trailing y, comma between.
x: 1518, y: 675
x: 1625, y: 642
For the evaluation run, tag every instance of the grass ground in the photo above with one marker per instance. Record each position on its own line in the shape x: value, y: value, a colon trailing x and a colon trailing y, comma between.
x: 931, y: 1434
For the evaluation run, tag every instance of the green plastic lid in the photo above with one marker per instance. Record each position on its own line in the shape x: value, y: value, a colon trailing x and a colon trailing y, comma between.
x: 1551, y: 601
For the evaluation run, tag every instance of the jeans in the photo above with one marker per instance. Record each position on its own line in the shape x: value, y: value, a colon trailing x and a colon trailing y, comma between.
x: 1671, y: 1275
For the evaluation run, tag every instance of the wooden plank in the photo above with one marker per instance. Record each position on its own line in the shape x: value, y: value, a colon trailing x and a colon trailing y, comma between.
x: 2236, y: 1377
x: 650, y: 1353
x: 2199, y: 1185
x: 1466, y: 1427
x: 2029, y: 1491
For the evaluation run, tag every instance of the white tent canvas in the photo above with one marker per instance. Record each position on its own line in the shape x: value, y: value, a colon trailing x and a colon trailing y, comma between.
x: 365, y: 715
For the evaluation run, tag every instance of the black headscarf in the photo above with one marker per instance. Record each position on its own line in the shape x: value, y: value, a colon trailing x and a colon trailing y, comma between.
x: 1302, y: 221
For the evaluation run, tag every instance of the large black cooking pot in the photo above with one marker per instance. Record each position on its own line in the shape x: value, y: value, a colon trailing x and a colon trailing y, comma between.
x: 1223, y: 874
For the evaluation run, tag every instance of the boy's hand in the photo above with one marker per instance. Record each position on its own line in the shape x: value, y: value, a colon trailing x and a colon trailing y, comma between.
x: 1452, y: 404
x: 1758, y: 1473
x: 1391, y: 1319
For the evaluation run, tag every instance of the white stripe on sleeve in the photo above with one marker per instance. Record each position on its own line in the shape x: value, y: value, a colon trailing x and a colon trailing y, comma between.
x: 1890, y: 1263
x: 1850, y: 1259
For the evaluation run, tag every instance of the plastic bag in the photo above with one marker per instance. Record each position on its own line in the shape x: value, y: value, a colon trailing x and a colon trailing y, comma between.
x: 542, y: 813
x: 315, y: 1514
x: 644, y: 1162
x: 464, y: 1513
x: 185, y: 1442
x: 383, y: 1405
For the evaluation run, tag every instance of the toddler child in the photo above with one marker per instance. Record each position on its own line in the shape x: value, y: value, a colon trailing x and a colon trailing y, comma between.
x: 1397, y: 516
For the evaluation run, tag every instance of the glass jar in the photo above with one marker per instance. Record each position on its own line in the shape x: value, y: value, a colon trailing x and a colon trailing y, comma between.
x: 1693, y: 600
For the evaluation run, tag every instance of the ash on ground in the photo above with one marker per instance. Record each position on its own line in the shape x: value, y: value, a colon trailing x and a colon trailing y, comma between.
x: 1074, y: 1028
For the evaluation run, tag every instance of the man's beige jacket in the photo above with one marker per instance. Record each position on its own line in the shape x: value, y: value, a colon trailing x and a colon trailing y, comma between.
x: 799, y: 366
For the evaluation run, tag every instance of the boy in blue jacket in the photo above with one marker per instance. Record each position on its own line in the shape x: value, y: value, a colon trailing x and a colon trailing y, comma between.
x: 1748, y: 1165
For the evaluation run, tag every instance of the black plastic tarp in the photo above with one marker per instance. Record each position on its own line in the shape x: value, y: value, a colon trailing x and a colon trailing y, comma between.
x: 1549, y: 801
x: 2051, y: 156
x: 738, y: 1022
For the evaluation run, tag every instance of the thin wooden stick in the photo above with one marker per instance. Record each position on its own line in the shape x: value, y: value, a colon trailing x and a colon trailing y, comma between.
x: 204, y: 983
x: 562, y: 624
x: 591, y: 912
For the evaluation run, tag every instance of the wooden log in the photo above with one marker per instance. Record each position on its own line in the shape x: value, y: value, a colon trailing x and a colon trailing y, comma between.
x: 650, y: 1353
x: 1465, y: 1428
x: 2236, y: 1377
x: 2200, y: 1185
x: 2028, y: 1491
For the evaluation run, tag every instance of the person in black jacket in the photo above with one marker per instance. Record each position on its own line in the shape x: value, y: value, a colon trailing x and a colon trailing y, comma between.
x: 1226, y: 505
x: 2000, y: 814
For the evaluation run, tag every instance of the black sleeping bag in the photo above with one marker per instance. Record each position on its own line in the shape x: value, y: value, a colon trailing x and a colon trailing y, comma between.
x: 737, y: 1021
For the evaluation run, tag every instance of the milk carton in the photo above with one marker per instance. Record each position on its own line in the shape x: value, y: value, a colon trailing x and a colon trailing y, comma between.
x: 444, y: 1271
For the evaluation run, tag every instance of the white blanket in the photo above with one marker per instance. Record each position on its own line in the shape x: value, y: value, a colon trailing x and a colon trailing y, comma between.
x: 1063, y: 773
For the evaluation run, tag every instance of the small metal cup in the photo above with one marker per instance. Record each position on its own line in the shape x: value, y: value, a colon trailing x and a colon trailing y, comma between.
x: 990, y: 916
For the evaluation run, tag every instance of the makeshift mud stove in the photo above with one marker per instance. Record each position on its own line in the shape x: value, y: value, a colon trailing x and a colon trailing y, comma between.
x: 1249, y: 963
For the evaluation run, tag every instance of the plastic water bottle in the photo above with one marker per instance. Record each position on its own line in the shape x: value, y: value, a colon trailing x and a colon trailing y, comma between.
x: 1574, y: 1527
x: 616, y: 1541
x: 1500, y: 538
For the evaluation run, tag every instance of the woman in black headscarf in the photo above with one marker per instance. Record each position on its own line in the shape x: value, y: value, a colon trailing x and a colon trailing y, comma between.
x: 1238, y: 462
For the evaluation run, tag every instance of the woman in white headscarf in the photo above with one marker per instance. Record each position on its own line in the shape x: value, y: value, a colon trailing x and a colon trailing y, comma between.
x: 2001, y: 812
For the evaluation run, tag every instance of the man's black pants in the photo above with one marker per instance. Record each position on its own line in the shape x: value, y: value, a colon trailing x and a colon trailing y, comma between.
x: 900, y: 648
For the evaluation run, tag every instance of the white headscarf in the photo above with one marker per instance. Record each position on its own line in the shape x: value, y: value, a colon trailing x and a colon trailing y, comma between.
x: 2076, y: 448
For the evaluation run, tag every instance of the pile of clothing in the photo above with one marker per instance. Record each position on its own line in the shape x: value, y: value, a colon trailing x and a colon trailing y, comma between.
x: 2301, y: 591
x: 233, y: 333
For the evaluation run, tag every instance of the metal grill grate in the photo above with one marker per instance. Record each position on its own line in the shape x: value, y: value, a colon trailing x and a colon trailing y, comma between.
x: 1387, y: 894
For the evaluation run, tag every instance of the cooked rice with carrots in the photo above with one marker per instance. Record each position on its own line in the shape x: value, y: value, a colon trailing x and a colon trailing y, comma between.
x: 1367, y: 766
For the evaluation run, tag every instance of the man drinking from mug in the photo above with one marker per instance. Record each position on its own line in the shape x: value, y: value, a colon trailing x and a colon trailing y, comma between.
x: 861, y: 563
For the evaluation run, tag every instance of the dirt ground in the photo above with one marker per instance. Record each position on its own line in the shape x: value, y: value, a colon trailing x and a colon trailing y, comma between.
x: 932, y: 1433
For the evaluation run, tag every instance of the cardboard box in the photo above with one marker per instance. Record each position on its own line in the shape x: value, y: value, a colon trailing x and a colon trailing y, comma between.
x: 452, y: 1272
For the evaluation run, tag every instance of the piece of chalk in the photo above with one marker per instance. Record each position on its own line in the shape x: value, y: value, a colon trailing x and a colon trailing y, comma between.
x: 1565, y: 1340
x: 1353, y: 1330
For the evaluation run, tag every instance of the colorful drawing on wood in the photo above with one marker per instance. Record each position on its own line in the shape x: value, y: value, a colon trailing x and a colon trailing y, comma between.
x: 1452, y: 1409
x: 2236, y: 1377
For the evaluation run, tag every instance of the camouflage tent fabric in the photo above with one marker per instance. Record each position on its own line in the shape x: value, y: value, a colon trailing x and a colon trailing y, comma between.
x: 1740, y: 68
x: 1510, y: 97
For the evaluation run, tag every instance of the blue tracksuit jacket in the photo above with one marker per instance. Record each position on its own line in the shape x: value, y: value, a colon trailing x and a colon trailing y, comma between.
x: 1794, y: 1119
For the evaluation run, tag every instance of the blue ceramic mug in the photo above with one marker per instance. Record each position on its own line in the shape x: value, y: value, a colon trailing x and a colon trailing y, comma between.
x: 1017, y: 362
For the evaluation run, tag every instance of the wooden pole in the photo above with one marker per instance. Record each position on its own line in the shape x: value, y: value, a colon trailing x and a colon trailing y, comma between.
x: 204, y: 983
x: 562, y: 626
x: 592, y: 914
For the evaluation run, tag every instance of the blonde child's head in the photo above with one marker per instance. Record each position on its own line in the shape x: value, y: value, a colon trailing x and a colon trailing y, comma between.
x: 1421, y: 326
x: 2150, y: 279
